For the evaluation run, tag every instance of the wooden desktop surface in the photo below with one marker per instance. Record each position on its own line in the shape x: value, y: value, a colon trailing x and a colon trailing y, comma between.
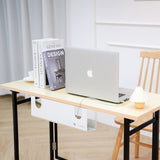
x: 126, y: 109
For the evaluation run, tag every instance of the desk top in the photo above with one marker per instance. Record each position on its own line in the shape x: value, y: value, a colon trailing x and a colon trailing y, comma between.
x: 126, y: 109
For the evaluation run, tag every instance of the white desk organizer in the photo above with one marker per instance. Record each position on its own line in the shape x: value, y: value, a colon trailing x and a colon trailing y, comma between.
x: 64, y: 114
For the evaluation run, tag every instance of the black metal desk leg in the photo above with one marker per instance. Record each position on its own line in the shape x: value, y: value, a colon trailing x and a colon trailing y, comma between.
x: 126, y: 139
x: 15, y: 125
x: 56, y: 139
x: 155, y: 137
x: 56, y: 142
x: 51, y: 140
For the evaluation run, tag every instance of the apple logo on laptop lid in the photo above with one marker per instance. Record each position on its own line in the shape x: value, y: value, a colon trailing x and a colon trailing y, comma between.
x: 90, y: 73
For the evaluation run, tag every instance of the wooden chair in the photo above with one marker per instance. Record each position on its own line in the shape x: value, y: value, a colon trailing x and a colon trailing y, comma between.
x: 149, y: 75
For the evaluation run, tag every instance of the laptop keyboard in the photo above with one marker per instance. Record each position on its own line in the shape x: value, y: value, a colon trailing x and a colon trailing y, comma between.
x: 121, y: 94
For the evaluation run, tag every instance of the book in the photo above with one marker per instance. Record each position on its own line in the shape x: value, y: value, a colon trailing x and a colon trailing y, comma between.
x: 44, y: 45
x: 54, y: 61
x: 35, y: 62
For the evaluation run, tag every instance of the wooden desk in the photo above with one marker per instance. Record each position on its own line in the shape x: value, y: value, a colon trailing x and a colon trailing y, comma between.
x: 125, y: 110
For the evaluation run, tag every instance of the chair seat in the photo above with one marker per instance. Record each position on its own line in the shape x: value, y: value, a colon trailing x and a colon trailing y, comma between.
x: 120, y: 121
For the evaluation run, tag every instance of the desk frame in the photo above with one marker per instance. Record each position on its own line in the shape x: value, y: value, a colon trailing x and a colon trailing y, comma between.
x: 54, y: 132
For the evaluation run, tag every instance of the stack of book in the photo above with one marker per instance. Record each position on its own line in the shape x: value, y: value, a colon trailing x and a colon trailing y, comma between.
x: 48, y: 63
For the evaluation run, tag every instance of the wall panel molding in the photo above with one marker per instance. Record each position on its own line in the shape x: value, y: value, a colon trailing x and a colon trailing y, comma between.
x: 125, y: 45
x: 128, y: 24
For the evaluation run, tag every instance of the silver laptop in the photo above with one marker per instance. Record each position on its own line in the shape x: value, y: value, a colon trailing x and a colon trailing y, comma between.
x: 93, y: 73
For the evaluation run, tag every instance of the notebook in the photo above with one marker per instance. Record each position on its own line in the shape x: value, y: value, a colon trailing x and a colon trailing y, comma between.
x: 93, y: 73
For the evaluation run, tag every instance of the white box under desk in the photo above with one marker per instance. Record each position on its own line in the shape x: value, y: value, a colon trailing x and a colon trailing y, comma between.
x: 65, y: 114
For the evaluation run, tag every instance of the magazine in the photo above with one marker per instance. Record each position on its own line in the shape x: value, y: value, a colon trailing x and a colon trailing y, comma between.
x: 54, y: 61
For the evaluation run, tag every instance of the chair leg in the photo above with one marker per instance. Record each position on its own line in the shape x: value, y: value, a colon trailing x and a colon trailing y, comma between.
x: 137, y: 140
x: 118, y: 143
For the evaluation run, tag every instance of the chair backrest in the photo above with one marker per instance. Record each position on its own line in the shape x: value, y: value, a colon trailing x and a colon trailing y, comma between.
x: 150, y: 56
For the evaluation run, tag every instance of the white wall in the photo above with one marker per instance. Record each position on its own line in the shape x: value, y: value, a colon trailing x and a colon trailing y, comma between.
x: 128, y: 11
x: 81, y: 21
x: 127, y: 26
